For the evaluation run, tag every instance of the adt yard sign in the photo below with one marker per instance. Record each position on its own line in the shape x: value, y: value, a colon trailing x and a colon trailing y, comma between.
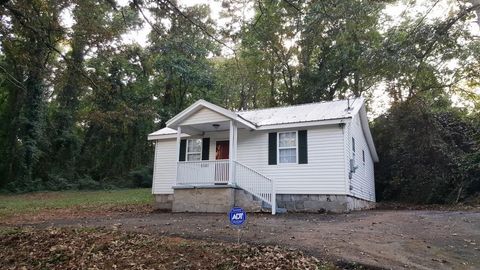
x: 237, y: 216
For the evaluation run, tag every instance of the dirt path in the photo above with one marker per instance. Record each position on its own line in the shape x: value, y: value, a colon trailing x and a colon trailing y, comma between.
x: 390, y: 239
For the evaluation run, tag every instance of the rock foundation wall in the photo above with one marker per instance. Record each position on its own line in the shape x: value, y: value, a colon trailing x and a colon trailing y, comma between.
x: 314, y: 203
x: 222, y: 199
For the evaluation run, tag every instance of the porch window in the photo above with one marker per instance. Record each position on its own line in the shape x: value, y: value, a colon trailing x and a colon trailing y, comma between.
x: 194, y: 149
x: 287, y: 147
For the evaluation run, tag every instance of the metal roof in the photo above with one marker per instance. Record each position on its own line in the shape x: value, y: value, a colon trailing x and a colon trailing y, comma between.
x: 163, y: 131
x: 302, y: 113
x: 310, y: 112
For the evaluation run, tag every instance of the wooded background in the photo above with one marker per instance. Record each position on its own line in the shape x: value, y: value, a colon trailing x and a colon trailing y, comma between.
x: 77, y: 102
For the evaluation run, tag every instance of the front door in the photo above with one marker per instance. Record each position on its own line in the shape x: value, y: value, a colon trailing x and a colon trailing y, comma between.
x: 221, y: 169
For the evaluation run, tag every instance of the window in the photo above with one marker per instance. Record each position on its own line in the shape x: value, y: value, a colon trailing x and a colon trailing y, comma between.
x: 363, y: 156
x: 287, y: 147
x: 194, y: 149
x: 353, y: 148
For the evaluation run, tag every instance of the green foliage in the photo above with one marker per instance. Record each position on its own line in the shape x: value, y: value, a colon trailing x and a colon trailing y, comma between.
x: 76, y: 103
x: 142, y: 177
x: 428, y: 153
x: 340, y: 47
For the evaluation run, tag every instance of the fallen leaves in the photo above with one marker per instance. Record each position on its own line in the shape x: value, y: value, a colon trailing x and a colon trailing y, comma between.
x: 88, y: 248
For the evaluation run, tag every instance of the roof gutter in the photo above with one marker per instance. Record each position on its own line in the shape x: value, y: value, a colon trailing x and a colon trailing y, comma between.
x: 306, y: 124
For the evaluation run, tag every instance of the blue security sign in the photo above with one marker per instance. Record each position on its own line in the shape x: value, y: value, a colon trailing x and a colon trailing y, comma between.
x: 237, y: 216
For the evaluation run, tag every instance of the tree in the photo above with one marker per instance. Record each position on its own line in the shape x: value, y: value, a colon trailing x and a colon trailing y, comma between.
x: 182, y: 73
x: 339, y: 41
x: 428, y: 153
x: 97, y: 25
x: 29, y: 31
x: 115, y: 117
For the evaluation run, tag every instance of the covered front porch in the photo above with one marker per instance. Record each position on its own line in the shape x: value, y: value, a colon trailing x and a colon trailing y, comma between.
x: 208, y: 160
x: 206, y: 152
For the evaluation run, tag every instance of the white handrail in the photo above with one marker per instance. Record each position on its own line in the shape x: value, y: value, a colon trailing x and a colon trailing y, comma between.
x: 202, y: 172
x: 256, y: 183
x: 211, y: 172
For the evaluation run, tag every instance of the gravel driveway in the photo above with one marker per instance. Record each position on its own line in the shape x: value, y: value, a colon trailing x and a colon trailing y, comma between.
x: 395, y: 239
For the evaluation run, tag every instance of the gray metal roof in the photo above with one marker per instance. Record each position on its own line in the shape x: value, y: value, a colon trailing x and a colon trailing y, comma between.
x: 293, y: 114
x: 302, y: 113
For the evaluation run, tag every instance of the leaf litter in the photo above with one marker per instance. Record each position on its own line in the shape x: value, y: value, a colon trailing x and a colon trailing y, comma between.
x: 88, y: 248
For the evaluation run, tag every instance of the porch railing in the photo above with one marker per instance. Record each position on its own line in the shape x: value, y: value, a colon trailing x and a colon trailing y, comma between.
x: 256, y: 184
x: 204, y: 172
x: 211, y: 172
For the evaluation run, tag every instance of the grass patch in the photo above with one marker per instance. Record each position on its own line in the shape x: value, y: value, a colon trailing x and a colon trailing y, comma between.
x: 34, y: 202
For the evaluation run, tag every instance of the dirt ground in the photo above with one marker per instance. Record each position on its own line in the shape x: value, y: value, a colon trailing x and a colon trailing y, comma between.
x: 95, y: 248
x: 397, y: 239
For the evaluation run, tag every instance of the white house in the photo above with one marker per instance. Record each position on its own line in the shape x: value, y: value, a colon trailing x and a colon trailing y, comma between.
x: 311, y: 157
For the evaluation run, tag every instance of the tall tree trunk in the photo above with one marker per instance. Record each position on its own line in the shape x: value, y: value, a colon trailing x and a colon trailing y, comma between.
x: 33, y: 123
x: 66, y: 144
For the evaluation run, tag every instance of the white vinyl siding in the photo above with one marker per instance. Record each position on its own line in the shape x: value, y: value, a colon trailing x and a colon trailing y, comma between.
x: 165, y: 166
x: 362, y: 182
x: 329, y: 151
x: 204, y: 115
x: 324, y: 173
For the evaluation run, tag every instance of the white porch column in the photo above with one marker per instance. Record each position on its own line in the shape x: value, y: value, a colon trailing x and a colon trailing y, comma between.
x: 231, y: 153
x: 234, y: 155
x: 179, y: 133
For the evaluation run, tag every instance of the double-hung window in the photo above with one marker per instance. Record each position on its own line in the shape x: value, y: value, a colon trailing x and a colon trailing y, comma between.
x: 287, y: 147
x: 194, y: 149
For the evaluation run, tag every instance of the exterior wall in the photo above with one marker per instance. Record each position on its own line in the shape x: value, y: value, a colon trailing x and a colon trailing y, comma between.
x: 363, y: 181
x: 329, y: 151
x: 204, y: 115
x: 165, y: 166
x: 324, y: 173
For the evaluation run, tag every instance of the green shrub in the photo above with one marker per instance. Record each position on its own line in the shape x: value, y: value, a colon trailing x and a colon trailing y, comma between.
x: 142, y: 177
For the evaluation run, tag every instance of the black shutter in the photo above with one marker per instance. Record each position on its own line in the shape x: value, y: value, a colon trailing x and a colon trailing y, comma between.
x: 183, y: 149
x: 272, y: 148
x: 205, y: 148
x: 302, y: 147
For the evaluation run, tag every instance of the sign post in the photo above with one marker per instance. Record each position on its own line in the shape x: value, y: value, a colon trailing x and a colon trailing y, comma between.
x: 237, y: 217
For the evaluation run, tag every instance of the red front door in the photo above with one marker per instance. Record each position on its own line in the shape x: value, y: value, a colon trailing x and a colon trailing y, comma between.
x: 222, y: 149
x: 221, y: 169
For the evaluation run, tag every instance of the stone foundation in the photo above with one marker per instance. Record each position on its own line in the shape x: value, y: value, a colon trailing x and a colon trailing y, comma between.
x: 313, y: 203
x: 163, y: 202
x: 214, y: 199
x: 220, y: 199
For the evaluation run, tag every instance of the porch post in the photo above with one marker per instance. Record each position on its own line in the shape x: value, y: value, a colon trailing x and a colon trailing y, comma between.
x: 234, y: 156
x: 179, y: 132
x: 231, y: 154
